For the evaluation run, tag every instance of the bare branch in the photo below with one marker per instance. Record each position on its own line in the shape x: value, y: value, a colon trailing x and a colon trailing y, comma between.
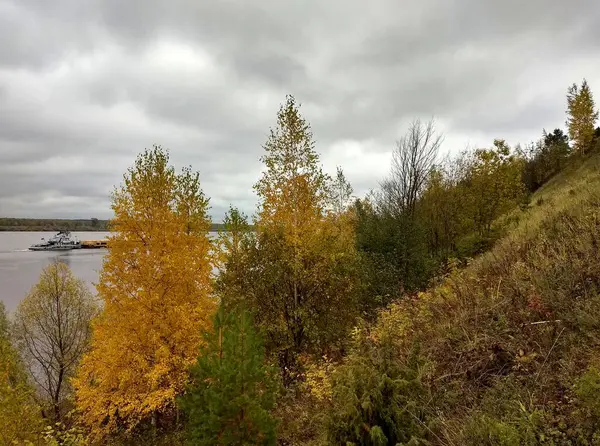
x: 412, y: 160
x: 52, y: 329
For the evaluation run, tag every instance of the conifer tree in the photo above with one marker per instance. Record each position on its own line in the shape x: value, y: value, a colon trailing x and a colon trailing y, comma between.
x: 234, y: 242
x: 156, y: 287
x: 233, y: 390
x: 582, y: 116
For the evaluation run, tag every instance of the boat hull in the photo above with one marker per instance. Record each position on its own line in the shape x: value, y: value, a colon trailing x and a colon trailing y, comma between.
x: 60, y: 242
x: 53, y: 248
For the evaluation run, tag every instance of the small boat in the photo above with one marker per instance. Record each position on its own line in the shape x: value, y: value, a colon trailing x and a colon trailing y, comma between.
x: 63, y: 241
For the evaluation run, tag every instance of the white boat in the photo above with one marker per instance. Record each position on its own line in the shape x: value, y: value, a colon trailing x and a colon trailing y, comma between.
x: 63, y: 241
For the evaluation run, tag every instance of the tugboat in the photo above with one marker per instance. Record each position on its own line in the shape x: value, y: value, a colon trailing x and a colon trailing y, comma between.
x: 63, y: 241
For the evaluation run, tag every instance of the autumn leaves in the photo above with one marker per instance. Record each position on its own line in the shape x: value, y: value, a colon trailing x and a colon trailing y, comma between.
x: 156, y: 284
x: 156, y: 293
x: 174, y: 347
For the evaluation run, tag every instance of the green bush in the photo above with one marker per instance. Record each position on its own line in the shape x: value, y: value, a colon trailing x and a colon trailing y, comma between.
x: 377, y: 396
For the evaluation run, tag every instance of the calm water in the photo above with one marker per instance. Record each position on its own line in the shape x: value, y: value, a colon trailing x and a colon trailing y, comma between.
x: 20, y: 268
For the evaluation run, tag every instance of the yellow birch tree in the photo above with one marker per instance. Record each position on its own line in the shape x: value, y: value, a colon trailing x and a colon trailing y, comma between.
x: 156, y: 287
x: 582, y: 116
x: 297, y: 269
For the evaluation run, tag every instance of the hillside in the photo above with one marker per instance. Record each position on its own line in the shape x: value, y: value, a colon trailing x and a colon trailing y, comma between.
x: 504, y: 351
x: 455, y: 305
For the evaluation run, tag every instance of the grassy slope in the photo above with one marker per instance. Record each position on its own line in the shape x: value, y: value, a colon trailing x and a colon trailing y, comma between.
x: 509, y: 337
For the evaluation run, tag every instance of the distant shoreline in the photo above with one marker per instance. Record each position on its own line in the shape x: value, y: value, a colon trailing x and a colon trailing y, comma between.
x: 75, y: 225
x: 48, y: 229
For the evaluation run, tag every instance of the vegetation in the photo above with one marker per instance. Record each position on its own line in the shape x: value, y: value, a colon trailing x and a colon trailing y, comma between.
x: 285, y: 271
x: 454, y: 305
x: 233, y: 390
x: 582, y: 115
x: 52, y: 331
x: 155, y: 285
x: 20, y: 415
x: 35, y: 224
x: 545, y: 158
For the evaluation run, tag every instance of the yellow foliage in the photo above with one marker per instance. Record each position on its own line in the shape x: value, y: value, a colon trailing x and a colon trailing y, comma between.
x: 318, y: 379
x: 304, y: 243
x: 156, y: 288
x: 582, y: 116
x: 20, y: 416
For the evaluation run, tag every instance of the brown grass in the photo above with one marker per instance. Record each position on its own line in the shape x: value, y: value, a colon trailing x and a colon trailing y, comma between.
x: 509, y: 336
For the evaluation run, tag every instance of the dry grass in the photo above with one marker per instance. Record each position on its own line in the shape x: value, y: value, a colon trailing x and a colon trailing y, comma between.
x: 509, y: 336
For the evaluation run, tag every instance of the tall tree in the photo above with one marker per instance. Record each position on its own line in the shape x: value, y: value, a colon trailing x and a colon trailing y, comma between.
x: 440, y: 210
x: 297, y: 267
x: 20, y: 415
x: 233, y: 390
x: 52, y: 331
x: 389, y: 233
x: 341, y: 192
x: 581, y: 116
x: 156, y: 288
x: 293, y: 190
x: 234, y: 242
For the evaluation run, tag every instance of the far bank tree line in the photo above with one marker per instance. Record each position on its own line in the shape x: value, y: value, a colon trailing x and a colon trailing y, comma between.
x: 171, y: 350
x: 46, y: 225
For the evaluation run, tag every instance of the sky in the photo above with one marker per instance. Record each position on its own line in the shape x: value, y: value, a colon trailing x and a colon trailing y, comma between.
x: 87, y: 85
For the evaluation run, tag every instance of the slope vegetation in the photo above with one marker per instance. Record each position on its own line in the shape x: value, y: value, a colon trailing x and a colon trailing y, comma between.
x: 504, y: 351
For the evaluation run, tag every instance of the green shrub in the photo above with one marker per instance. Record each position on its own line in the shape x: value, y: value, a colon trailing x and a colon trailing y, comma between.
x: 60, y: 435
x: 587, y: 390
x: 377, y: 396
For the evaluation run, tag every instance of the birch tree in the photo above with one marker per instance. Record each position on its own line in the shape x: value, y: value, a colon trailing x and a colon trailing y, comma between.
x: 581, y: 116
x: 52, y: 331
x: 155, y: 285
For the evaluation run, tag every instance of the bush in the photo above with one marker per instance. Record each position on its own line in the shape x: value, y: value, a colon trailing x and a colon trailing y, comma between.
x: 60, y: 435
x: 377, y: 396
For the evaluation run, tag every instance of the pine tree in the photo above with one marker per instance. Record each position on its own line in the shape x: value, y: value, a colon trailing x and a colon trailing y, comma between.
x: 582, y: 116
x: 233, y: 391
x: 234, y: 242
x: 156, y: 287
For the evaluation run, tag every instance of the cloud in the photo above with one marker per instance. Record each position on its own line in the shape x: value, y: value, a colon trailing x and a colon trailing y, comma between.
x: 85, y: 86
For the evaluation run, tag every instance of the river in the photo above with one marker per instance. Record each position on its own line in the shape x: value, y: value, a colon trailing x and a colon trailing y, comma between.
x: 20, y: 268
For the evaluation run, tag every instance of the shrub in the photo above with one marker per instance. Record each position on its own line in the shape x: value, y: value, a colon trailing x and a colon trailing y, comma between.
x: 377, y: 395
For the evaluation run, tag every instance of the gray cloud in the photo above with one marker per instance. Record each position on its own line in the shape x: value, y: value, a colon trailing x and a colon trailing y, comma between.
x: 85, y: 86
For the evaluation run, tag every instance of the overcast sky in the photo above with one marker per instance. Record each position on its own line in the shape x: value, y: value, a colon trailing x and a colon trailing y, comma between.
x: 85, y: 85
